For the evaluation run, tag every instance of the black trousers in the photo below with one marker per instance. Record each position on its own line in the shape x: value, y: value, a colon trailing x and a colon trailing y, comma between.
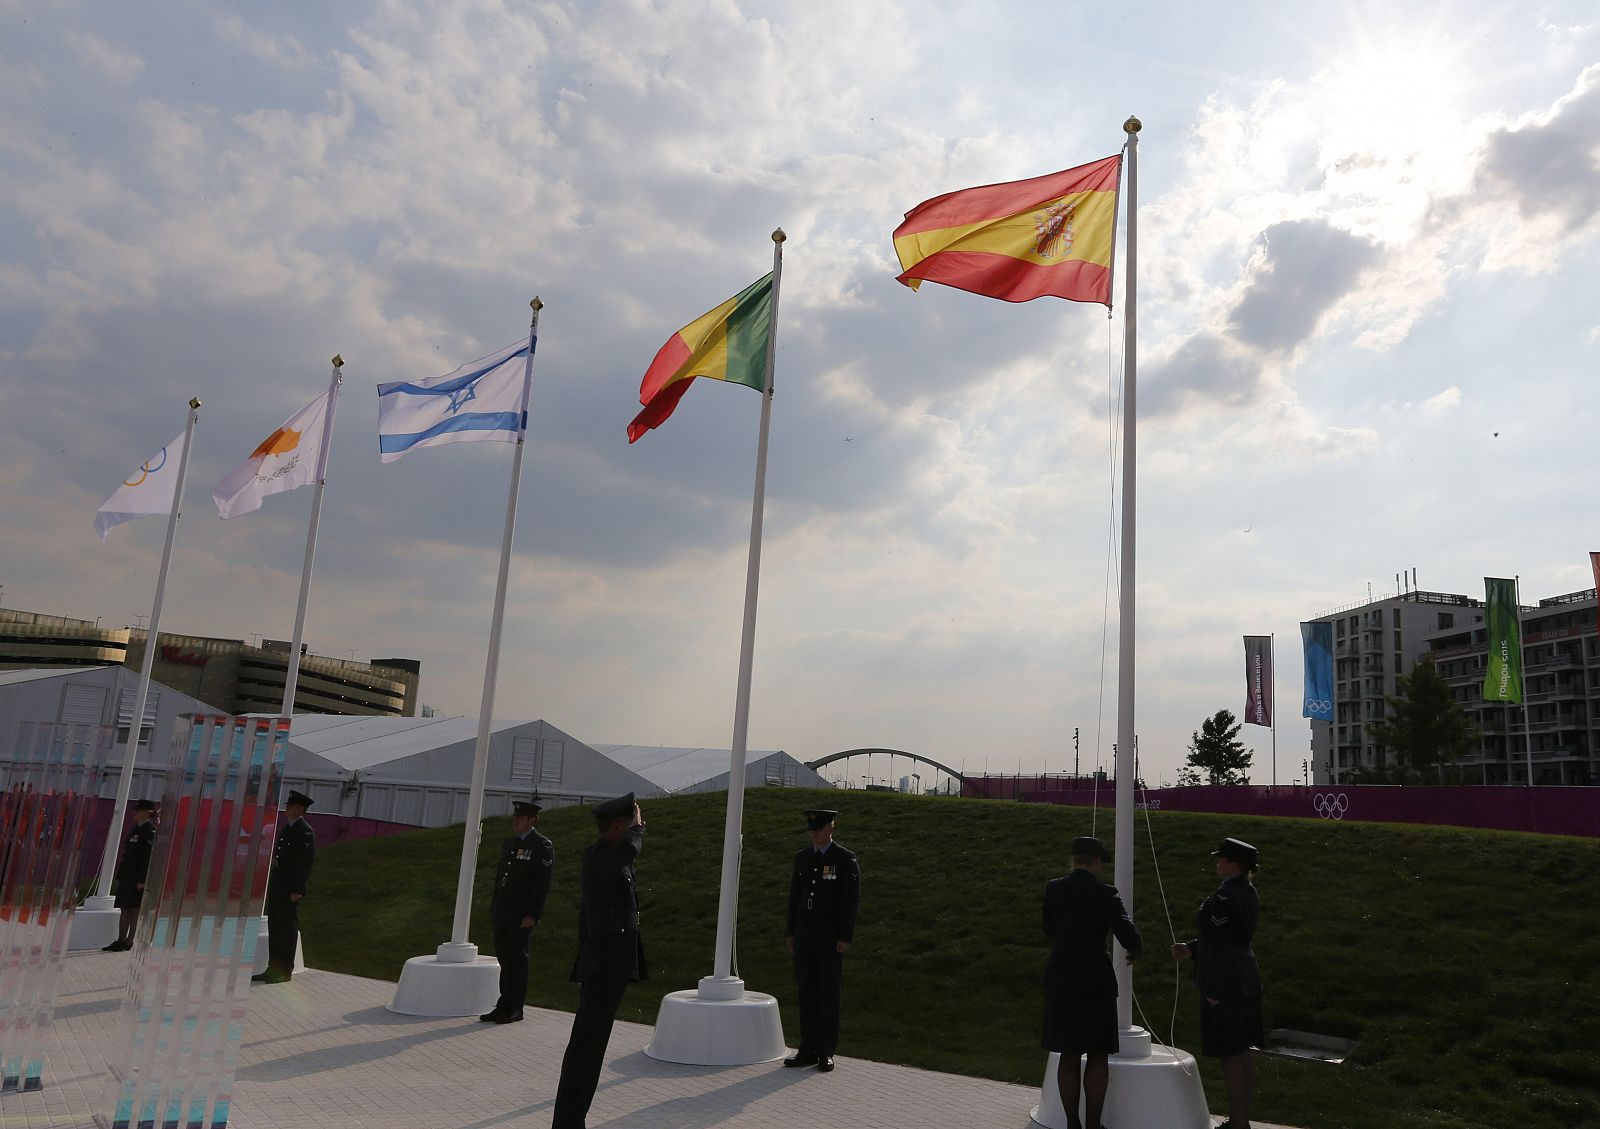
x: 283, y: 933
x: 598, y: 1000
x: 819, y: 978
x: 511, y: 942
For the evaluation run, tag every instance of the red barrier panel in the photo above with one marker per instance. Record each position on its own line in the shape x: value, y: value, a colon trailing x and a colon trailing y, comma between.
x: 1544, y: 810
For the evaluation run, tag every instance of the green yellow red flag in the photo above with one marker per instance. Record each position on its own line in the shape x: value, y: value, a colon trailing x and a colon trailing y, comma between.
x: 1050, y: 236
x: 728, y: 343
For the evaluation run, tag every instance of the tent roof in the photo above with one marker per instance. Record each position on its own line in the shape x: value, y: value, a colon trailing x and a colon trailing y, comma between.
x: 360, y: 742
x: 672, y: 768
x: 13, y: 677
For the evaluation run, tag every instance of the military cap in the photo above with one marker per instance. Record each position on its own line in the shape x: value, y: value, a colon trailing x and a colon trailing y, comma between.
x: 608, y: 810
x: 1087, y: 846
x: 146, y: 805
x: 300, y: 798
x: 818, y: 818
x: 1239, y: 851
x: 526, y: 807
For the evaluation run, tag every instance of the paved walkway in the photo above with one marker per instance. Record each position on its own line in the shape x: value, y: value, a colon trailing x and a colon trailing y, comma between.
x: 322, y: 1051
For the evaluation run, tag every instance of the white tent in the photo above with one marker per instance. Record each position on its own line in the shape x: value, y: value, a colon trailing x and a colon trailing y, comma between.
x: 418, y: 770
x: 98, y: 695
x: 706, y: 770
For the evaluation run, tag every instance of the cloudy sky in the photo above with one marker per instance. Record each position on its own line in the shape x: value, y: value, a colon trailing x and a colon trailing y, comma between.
x: 1369, y: 334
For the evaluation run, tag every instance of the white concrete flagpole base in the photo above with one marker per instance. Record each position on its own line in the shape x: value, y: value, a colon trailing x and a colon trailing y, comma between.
x: 1151, y: 1088
x: 455, y: 981
x: 94, y: 923
x: 718, y: 1024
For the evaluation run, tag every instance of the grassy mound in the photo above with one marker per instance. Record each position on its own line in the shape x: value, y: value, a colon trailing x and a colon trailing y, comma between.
x: 1463, y: 961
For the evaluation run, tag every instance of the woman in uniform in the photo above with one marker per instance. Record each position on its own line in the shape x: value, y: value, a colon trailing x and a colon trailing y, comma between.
x: 1228, y: 977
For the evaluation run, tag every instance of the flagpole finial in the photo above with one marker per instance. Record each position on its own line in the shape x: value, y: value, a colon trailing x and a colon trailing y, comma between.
x: 778, y: 236
x: 338, y: 361
x: 194, y: 402
x: 1132, y: 125
x: 537, y: 304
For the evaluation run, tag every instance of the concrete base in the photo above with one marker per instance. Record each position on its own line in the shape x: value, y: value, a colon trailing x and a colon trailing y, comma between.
x: 455, y: 981
x: 94, y: 924
x: 719, y: 1024
x: 1156, y: 1089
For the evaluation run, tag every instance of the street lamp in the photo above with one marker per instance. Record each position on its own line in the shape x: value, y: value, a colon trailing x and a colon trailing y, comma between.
x: 916, y: 788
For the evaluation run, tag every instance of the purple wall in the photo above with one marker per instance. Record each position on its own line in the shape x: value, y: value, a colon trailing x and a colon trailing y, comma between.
x: 329, y: 828
x: 1547, y: 810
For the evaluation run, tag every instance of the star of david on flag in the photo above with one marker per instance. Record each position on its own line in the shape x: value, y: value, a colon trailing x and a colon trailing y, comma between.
x: 483, y: 400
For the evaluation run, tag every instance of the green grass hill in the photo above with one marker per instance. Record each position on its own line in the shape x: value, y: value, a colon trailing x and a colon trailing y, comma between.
x: 1464, y: 962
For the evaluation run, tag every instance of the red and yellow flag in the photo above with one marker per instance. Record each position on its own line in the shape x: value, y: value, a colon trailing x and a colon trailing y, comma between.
x: 728, y: 343
x: 1026, y: 239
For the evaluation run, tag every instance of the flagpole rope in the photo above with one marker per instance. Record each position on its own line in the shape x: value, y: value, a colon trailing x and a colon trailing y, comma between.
x: 1115, y: 356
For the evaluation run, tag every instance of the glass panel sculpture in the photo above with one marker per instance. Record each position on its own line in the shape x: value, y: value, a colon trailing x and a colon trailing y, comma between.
x: 50, y: 778
x: 184, y: 1009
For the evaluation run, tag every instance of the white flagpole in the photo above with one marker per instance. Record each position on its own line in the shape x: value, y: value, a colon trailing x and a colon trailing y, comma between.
x: 459, y: 949
x: 291, y: 679
x: 108, y: 859
x: 1272, y: 690
x: 1123, y: 865
x: 733, y: 826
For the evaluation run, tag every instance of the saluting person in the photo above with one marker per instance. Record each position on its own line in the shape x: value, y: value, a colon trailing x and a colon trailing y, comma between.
x: 521, y: 885
x: 824, y: 895
x: 1080, y: 987
x: 292, y: 857
x: 1228, y: 976
x: 132, y: 870
x: 610, y: 953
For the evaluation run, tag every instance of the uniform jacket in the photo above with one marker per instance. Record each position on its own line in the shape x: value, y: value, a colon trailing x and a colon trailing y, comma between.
x: 292, y: 856
x: 522, y: 879
x: 608, y: 911
x: 135, y: 864
x: 824, y: 895
x: 1079, y: 910
x: 1224, y: 963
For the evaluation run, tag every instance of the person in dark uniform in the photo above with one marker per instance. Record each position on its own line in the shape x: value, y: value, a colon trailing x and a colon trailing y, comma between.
x: 1080, y: 987
x: 131, y: 872
x: 610, y: 953
x: 521, y: 885
x: 292, y: 857
x: 824, y: 895
x: 1228, y: 976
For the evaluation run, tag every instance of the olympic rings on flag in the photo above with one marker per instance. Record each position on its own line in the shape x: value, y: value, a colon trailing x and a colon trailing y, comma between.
x: 146, y: 470
x: 1330, y: 805
x: 1315, y: 706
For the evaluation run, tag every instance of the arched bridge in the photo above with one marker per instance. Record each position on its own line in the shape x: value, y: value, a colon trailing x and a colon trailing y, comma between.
x: 831, y: 757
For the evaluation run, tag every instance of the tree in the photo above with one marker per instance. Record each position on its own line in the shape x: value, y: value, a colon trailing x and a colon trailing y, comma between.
x: 1424, y: 725
x: 1217, y: 752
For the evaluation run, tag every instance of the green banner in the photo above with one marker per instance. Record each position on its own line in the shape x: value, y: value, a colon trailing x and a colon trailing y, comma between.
x: 1502, y: 681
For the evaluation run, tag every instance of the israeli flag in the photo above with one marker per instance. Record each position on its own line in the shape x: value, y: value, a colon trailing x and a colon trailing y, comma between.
x: 483, y: 400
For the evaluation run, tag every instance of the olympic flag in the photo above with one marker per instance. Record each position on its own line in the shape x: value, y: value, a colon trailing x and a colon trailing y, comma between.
x: 148, y: 491
x: 1317, y: 641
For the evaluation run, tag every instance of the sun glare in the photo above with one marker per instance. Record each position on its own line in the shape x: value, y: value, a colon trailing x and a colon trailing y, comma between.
x: 1392, y: 130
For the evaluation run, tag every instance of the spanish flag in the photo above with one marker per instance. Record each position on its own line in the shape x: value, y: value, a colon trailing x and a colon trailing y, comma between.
x: 1026, y: 239
x: 729, y: 343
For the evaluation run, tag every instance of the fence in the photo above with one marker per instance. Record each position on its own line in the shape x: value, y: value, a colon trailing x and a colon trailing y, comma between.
x: 1544, y: 810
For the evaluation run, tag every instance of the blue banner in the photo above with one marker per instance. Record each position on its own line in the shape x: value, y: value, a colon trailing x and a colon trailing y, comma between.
x: 1317, y: 639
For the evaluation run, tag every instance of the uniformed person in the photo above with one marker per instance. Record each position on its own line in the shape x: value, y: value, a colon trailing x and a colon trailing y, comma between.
x: 1080, y: 987
x: 824, y: 894
x: 610, y: 953
x: 521, y: 885
x: 292, y: 857
x: 131, y: 873
x: 1228, y: 977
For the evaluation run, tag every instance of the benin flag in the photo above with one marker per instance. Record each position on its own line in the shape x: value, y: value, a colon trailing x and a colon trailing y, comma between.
x: 1051, y: 235
x: 728, y: 343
